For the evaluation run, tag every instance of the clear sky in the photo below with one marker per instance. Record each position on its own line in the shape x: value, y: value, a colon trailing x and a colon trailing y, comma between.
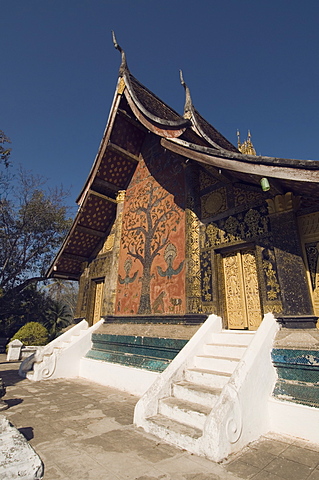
x: 250, y: 64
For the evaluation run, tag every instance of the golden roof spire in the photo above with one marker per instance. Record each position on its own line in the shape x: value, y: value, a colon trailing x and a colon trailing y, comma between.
x: 247, y: 147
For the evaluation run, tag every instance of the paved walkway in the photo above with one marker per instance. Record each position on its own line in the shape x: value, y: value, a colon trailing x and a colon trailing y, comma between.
x: 82, y: 430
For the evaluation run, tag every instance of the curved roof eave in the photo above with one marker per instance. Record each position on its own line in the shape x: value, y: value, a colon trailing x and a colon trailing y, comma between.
x: 291, y: 169
x: 160, y: 122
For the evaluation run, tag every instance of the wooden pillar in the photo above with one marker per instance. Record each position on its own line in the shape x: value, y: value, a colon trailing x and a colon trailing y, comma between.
x: 297, y: 305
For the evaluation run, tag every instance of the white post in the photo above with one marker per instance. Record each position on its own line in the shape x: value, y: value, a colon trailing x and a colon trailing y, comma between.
x: 14, y: 351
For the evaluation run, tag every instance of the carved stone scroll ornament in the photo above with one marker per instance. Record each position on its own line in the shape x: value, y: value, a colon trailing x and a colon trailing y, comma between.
x: 234, y: 420
x: 40, y: 365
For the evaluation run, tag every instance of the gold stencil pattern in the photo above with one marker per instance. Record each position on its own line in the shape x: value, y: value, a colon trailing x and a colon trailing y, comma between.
x: 115, y: 169
x: 214, y: 202
x: 97, y: 213
x: 193, y: 278
x: 244, y: 226
x: 127, y: 136
x: 206, y: 180
x: 82, y: 244
x: 70, y: 266
x: 246, y: 197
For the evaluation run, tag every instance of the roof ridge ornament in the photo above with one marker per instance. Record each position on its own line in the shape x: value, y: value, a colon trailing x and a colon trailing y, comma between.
x: 123, y: 65
x: 188, y: 107
x: 247, y: 147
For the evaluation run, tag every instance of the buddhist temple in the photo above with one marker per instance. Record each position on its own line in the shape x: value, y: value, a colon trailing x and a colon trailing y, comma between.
x: 198, y: 271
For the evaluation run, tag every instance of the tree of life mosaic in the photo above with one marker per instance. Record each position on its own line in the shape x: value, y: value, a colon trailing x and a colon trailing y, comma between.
x: 152, y: 251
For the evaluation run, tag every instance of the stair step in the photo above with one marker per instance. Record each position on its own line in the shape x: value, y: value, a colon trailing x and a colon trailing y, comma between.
x: 192, y: 414
x: 209, y: 378
x: 224, y: 350
x: 218, y: 364
x: 233, y: 337
x: 206, y: 396
x: 168, y: 425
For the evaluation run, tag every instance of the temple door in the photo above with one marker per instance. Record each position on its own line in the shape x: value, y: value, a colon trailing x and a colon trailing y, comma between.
x: 98, y: 297
x: 242, y: 299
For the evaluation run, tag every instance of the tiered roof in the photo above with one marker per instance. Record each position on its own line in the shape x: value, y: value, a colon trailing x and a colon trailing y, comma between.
x: 135, y: 112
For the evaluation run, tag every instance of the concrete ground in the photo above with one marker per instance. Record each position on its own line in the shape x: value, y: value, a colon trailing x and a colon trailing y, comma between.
x: 82, y: 430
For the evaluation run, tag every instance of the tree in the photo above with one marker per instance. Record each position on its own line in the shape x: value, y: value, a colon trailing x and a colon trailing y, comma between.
x: 147, y: 226
x: 58, y: 317
x: 63, y: 291
x: 4, y: 150
x: 33, y: 223
x: 30, y: 305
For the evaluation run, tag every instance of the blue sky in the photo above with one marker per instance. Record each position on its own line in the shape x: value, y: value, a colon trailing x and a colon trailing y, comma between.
x: 249, y: 64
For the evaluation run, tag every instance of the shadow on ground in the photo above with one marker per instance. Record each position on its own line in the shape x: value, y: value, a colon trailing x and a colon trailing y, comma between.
x: 10, y: 377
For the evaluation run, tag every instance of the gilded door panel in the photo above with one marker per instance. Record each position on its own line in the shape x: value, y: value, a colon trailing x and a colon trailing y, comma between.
x: 241, y: 290
x: 235, y: 301
x: 251, y: 289
x: 98, y: 301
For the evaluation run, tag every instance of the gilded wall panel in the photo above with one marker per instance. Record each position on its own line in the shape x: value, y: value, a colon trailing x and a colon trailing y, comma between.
x: 193, y: 278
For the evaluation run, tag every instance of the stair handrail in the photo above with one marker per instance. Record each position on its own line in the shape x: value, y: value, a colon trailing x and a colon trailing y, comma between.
x: 240, y: 414
x: 37, y: 357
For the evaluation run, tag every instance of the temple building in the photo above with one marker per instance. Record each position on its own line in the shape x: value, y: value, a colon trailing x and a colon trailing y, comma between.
x: 198, y: 270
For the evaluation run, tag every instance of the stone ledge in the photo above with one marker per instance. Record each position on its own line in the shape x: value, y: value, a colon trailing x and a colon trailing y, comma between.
x: 17, y: 457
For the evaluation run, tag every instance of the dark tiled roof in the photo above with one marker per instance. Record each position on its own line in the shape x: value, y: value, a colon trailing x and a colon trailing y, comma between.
x: 212, y: 133
x: 152, y: 104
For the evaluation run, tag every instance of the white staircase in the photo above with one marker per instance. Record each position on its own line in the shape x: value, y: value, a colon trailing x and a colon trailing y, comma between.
x: 61, y: 357
x: 212, y: 399
x: 181, y: 417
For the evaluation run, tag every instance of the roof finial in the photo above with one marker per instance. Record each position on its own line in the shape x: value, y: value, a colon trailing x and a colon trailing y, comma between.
x: 238, y: 140
x: 247, y: 147
x: 120, y: 49
x: 188, y: 107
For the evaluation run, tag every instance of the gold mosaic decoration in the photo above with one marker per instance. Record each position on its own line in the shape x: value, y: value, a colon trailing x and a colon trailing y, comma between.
x: 283, y: 203
x: 100, y: 266
x: 205, y: 180
x: 121, y: 86
x: 193, y: 277
x: 272, y: 285
x: 243, y: 226
x: 108, y: 244
x: 214, y: 202
x: 247, y: 197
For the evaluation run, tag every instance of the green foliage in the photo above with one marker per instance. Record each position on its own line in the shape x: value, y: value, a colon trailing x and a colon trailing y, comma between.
x: 16, y: 310
x: 33, y: 224
x: 58, y: 317
x: 32, y: 333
